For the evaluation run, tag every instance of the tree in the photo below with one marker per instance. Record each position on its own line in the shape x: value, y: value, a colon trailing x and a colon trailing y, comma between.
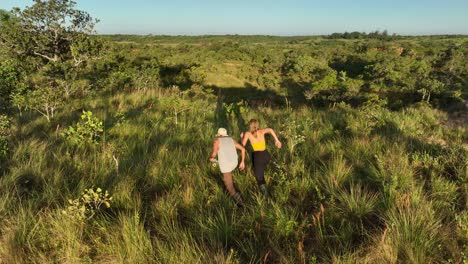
x: 306, y: 68
x: 51, y: 30
x: 55, y: 38
x: 44, y: 101
x: 335, y: 87
x: 4, y: 17
x: 11, y: 77
x: 175, y: 105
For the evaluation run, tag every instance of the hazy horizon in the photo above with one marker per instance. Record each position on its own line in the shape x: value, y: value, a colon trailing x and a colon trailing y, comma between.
x: 274, y: 18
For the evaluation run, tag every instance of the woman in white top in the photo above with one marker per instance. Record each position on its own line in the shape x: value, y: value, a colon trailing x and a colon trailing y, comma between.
x: 226, y: 149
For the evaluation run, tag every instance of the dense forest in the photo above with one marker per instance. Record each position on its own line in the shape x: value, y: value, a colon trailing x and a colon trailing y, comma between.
x: 104, y: 145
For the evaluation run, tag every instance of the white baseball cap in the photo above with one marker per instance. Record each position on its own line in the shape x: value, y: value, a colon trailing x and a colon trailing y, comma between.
x: 222, y: 132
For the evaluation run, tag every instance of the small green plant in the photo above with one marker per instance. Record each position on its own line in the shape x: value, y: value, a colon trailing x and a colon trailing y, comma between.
x: 87, y: 131
x: 235, y: 109
x: 174, y: 104
x: 462, y: 223
x: 284, y: 222
x: 4, y: 125
x: 280, y: 172
x: 120, y: 118
x: 85, y: 207
x: 197, y: 91
x: 229, y: 109
x: 4, y: 149
x: 4, y: 131
x: 291, y: 130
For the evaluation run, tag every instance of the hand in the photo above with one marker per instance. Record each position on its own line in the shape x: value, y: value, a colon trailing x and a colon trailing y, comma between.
x: 241, y: 135
x: 241, y: 166
x: 278, y: 144
x: 212, y: 159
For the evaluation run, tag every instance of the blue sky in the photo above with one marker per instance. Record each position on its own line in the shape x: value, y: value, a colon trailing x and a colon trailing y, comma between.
x: 273, y: 17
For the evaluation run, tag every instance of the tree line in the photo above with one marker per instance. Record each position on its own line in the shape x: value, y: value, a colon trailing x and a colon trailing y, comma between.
x: 50, y: 54
x: 384, y: 35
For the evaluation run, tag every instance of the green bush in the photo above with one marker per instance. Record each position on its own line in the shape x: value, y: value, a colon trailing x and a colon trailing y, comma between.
x: 88, y: 204
x: 88, y: 131
x: 11, y: 77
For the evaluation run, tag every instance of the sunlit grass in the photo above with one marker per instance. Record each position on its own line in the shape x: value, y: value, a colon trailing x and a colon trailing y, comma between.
x: 354, y: 190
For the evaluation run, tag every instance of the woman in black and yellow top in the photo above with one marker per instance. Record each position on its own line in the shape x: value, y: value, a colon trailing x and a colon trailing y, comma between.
x: 260, y: 156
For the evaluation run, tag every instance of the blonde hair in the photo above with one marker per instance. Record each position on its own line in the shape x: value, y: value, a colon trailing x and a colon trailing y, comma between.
x: 253, y: 125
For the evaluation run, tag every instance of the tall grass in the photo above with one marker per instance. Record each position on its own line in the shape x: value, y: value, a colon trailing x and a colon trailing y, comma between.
x: 366, y: 185
x: 413, y: 234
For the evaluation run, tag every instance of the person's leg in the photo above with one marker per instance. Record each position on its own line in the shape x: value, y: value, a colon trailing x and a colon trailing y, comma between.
x: 258, y: 167
x: 227, y: 178
x: 229, y: 183
x: 265, y: 161
x: 260, y: 161
x: 259, y: 171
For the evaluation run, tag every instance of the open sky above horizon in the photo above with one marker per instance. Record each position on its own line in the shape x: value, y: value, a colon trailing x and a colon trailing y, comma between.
x: 273, y: 17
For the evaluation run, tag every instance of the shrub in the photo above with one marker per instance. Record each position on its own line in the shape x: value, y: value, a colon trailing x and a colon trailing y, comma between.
x: 147, y: 78
x: 88, y: 204
x: 4, y: 127
x: 3, y: 148
x: 357, y: 205
x: 292, y: 131
x: 87, y: 131
x: 413, y: 234
x: 280, y: 172
x: 11, y: 77
x: 120, y: 80
x: 335, y: 173
x: 462, y: 224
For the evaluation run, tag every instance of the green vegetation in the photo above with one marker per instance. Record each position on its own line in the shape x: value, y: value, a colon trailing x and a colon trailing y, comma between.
x: 105, y: 160
x: 87, y: 131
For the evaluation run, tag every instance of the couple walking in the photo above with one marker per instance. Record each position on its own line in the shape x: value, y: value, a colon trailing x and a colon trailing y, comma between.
x: 225, y: 147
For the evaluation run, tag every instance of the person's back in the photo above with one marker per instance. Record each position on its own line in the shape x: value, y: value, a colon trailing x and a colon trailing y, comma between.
x: 226, y: 148
x: 227, y: 154
x: 257, y: 140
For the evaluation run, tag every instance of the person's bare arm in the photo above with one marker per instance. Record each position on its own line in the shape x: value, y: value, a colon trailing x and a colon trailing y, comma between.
x: 245, y: 138
x: 242, y: 149
x: 215, y: 150
x: 272, y: 132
